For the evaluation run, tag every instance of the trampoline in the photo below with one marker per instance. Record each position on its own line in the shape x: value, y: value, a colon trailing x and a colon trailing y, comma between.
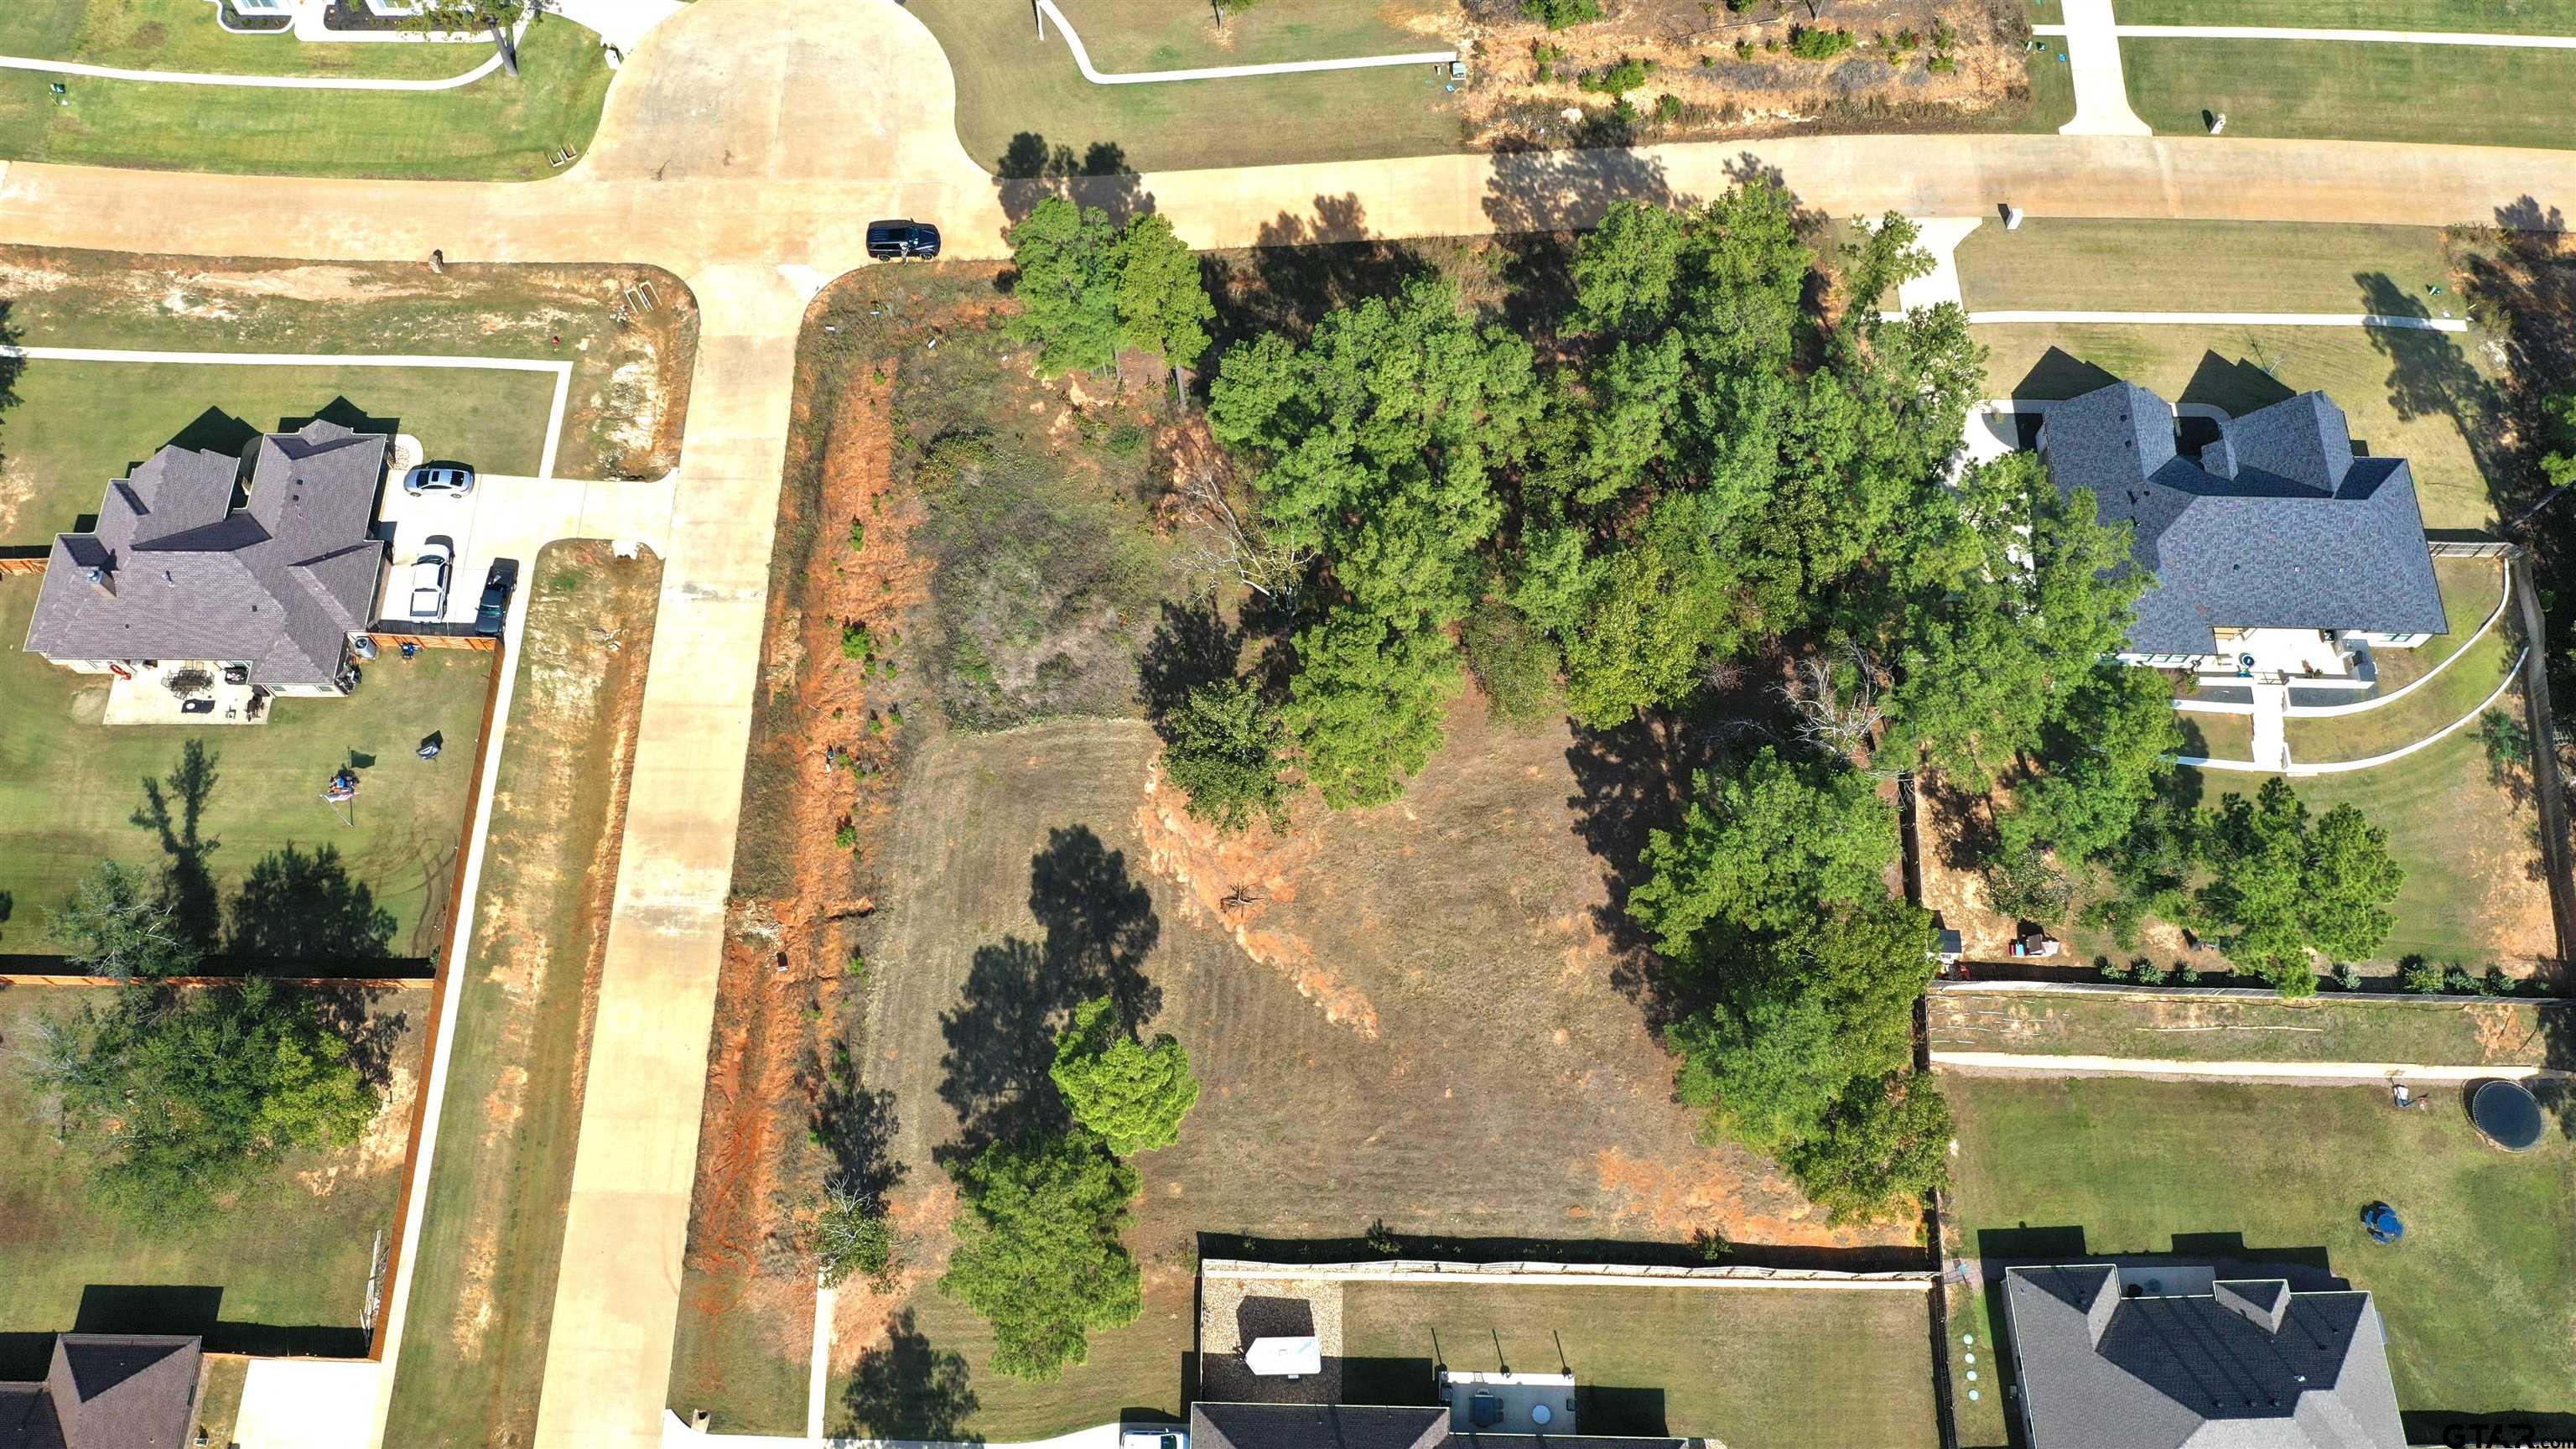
x: 2507, y: 1114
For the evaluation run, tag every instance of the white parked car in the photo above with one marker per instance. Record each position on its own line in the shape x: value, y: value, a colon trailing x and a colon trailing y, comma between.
x: 439, y: 478
x: 429, y: 578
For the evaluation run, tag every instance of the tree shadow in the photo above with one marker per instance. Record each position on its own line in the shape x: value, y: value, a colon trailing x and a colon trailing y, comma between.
x: 295, y: 906
x: 1571, y: 190
x: 2429, y: 375
x: 187, y: 886
x: 1100, y: 925
x: 1029, y: 170
x: 1629, y: 783
x: 1301, y: 268
x: 857, y: 1126
x: 350, y: 1014
x: 1192, y: 646
x: 906, y: 1389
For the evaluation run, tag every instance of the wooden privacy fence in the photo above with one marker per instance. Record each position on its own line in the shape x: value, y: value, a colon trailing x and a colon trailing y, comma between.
x: 10, y: 566
x: 484, y: 642
x: 361, y: 983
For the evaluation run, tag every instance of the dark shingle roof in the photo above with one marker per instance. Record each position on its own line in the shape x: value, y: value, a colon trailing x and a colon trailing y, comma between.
x: 106, y: 1391
x: 1315, y: 1426
x: 278, y: 584
x: 2277, y: 525
x: 2250, y: 1366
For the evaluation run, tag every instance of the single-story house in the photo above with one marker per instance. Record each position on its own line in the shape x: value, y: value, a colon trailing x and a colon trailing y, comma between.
x: 2276, y: 552
x: 173, y: 571
x: 1362, y: 1426
x: 106, y: 1391
x: 2147, y: 1358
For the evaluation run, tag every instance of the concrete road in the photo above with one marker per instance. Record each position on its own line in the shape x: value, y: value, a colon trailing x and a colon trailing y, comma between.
x: 745, y: 146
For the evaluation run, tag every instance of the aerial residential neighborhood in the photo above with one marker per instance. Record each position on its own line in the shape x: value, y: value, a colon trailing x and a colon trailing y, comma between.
x: 1287, y: 724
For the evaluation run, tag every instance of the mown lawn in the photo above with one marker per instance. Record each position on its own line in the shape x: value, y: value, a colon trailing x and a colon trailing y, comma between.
x: 70, y: 787
x: 2310, y: 89
x: 77, y: 425
x: 2082, y: 264
x: 2211, y: 736
x: 2460, y: 690
x: 1728, y: 1365
x: 2459, y: 1031
x: 183, y: 35
x: 293, y: 1254
x: 2410, y: 394
x: 2471, y: 589
x: 2480, y: 1298
x: 482, y: 1299
x: 1128, y: 35
x: 2503, y: 17
x: 497, y: 129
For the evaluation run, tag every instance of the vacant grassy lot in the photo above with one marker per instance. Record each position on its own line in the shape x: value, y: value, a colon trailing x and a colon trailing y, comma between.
x: 2075, y: 264
x: 2506, y: 17
x: 2414, y: 395
x: 630, y: 382
x: 2336, y: 89
x: 2460, y: 1031
x: 1012, y: 85
x: 1127, y: 35
x: 290, y: 1261
x: 1730, y: 1365
x: 70, y: 790
x: 497, y: 129
x: 2480, y: 1299
x: 184, y: 35
x: 2460, y: 690
x: 474, y: 1345
x: 79, y: 424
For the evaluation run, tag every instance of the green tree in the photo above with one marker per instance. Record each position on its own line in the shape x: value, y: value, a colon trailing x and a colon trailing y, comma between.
x: 1068, y: 286
x: 1163, y: 306
x: 2104, y: 760
x: 1883, y: 1147
x: 1760, y: 850
x: 850, y: 1238
x: 1558, y: 14
x: 184, y: 1098
x: 1514, y: 662
x: 1038, y: 1251
x: 117, y: 925
x: 2279, y: 888
x: 1134, y: 1094
x: 2351, y: 878
x: 1224, y: 748
x: 1367, y: 705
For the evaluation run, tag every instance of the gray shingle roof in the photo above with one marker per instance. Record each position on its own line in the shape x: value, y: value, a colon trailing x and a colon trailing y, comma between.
x: 2249, y: 1366
x: 106, y: 1391
x: 278, y: 584
x: 1315, y: 1426
x: 2276, y: 526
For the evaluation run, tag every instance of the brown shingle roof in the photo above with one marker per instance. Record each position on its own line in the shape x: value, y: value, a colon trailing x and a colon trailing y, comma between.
x: 106, y: 1391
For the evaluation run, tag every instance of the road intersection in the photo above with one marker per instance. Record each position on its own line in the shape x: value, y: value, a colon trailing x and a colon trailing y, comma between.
x: 744, y: 147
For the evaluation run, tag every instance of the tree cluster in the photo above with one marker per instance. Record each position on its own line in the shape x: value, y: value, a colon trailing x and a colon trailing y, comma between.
x: 1088, y: 288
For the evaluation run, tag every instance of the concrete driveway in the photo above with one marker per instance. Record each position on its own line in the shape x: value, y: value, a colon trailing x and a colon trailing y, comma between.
x: 511, y: 518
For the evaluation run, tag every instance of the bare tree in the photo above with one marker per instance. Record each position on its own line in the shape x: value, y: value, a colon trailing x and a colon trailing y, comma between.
x: 1227, y: 543
x: 1835, y: 700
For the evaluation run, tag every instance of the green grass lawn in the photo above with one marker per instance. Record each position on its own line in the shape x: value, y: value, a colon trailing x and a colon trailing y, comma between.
x: 1011, y: 84
x: 2078, y: 264
x: 2459, y: 690
x: 2472, y: 893
x: 69, y: 787
x: 2471, y: 589
x: 474, y: 1351
x: 1730, y: 1365
x: 77, y: 425
x: 2211, y: 736
x: 2480, y: 1298
x: 183, y: 35
x: 293, y: 1254
x: 219, y: 1396
x: 2458, y: 1031
x: 2309, y: 89
x: 2504, y: 17
x: 497, y: 129
x: 1129, y: 35
x: 2406, y: 393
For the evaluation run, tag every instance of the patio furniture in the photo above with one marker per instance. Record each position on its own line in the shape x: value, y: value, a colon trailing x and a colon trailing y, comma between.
x: 2382, y: 1223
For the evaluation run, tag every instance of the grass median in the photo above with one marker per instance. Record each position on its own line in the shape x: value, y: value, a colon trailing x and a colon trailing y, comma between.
x: 2071, y: 264
x: 499, y: 128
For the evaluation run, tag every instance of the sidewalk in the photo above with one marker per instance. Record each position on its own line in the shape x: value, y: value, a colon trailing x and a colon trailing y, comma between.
x: 2101, y: 88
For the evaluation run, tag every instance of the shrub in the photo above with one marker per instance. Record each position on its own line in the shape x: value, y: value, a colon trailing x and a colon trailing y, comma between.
x: 2347, y: 976
x: 849, y: 1239
x: 1558, y: 14
x: 858, y: 535
x: 1668, y: 108
x: 1381, y: 1239
x: 2419, y: 976
x: 1619, y: 79
x: 1941, y: 65
x: 2111, y: 970
x: 855, y: 641
x: 846, y: 836
x: 2148, y: 972
x: 1817, y: 43
x: 2457, y: 980
x: 2022, y: 883
x: 2186, y: 973
x: 2122, y: 917
x: 1515, y: 663
x: 1744, y: 50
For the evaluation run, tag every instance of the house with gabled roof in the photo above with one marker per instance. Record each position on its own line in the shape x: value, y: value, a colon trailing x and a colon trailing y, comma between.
x: 106, y: 1391
x: 268, y: 592
x: 2278, y: 552
x: 2109, y: 1357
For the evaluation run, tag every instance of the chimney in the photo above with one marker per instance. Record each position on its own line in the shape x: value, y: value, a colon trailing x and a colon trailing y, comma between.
x: 102, y: 577
x: 2263, y: 1302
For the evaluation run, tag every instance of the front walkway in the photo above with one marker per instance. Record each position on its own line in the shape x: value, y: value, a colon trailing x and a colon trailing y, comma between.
x: 2092, y: 41
x: 2271, y: 732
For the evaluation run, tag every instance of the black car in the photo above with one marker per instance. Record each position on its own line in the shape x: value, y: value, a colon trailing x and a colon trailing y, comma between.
x: 490, y: 614
x: 892, y: 241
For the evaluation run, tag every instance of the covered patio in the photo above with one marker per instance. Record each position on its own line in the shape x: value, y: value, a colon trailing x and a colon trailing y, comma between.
x: 183, y: 692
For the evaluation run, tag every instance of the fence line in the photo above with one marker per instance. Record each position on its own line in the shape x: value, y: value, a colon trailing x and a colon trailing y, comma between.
x: 1418, y: 1270
x: 367, y: 983
x: 2211, y: 993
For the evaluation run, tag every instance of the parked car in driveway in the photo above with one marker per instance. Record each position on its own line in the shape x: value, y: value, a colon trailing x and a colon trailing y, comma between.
x: 429, y: 578
x: 893, y: 241
x: 439, y: 478
x: 494, y: 611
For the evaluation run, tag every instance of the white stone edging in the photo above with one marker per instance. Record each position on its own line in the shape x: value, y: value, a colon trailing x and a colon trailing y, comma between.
x: 1099, y: 77
x: 2339, y: 767
x: 1424, y: 1270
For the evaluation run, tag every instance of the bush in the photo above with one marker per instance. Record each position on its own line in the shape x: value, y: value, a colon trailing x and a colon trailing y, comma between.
x: 1618, y: 80
x: 847, y: 836
x: 1817, y: 43
x: 1941, y: 65
x: 855, y: 641
x: 2419, y: 976
x: 2124, y: 918
x: 2347, y: 976
x: 1558, y: 14
x: 2186, y: 973
x: 849, y: 1240
x: 1668, y: 108
x: 2022, y: 883
x: 858, y: 535
x: 1515, y: 663
x: 2111, y: 970
x: 2148, y: 972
